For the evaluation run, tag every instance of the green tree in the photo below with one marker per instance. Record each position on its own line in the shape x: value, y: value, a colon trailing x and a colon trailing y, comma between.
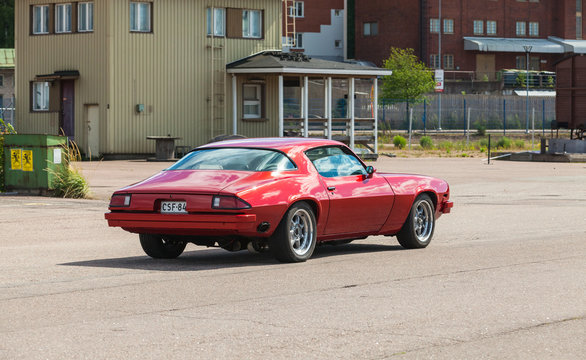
x: 7, y: 24
x: 410, y: 79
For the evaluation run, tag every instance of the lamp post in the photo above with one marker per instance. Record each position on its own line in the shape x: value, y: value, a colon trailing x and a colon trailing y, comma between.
x: 527, y: 51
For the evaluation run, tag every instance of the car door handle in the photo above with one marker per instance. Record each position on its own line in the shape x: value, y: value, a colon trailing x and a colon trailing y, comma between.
x: 331, y: 188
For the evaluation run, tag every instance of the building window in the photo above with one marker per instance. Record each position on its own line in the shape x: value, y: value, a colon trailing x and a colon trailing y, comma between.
x: 491, y: 27
x: 40, y: 96
x: 85, y: 16
x: 218, y: 21
x: 533, y: 29
x: 370, y: 29
x: 251, y: 96
x: 337, y: 12
x: 63, y: 18
x: 298, y: 41
x: 478, y: 27
x: 338, y: 44
x: 41, y: 19
x: 434, y: 61
x: 520, y: 28
x: 448, y: 26
x: 297, y: 10
x: 140, y: 16
x: 534, y: 62
x: 448, y: 61
x: 1, y: 80
x: 251, y: 24
x: 434, y: 26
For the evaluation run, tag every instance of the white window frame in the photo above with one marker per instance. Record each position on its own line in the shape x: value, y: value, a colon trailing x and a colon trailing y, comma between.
x: 136, y: 26
x: 220, y: 15
x: 434, y: 26
x: 44, y: 19
x: 40, y: 92
x: 298, y: 41
x: 478, y: 27
x: 369, y: 30
x: 298, y: 10
x: 88, y: 14
x: 448, y: 26
x: 521, y: 28
x: 491, y: 27
x: 63, y: 18
x: 248, y: 31
x: 533, y: 28
x: 254, y: 102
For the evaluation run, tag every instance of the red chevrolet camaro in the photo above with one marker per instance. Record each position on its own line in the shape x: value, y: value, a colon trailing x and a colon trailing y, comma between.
x: 284, y: 194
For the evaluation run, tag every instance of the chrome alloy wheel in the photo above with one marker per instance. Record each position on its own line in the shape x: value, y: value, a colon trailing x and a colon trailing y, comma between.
x: 300, y: 232
x: 423, y: 221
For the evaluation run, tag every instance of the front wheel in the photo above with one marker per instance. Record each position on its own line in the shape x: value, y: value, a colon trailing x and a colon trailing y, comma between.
x: 418, y: 228
x: 295, y: 238
x: 161, y: 247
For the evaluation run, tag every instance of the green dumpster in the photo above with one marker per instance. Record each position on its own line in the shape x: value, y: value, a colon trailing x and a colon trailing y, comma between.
x: 27, y: 158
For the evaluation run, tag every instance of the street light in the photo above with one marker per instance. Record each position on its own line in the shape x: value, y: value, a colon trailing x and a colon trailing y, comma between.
x: 439, y: 55
x: 527, y: 51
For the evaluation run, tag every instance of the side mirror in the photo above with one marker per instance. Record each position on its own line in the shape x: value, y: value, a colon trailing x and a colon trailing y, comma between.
x: 370, y: 170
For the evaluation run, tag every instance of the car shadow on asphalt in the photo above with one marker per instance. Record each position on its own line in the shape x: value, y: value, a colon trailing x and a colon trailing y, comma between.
x: 209, y: 259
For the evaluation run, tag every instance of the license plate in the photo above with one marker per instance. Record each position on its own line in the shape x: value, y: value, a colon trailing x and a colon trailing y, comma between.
x: 173, y: 207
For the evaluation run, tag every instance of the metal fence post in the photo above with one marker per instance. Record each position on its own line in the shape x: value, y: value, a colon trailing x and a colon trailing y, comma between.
x: 504, y: 117
x: 384, y: 120
x: 465, y: 116
x: 543, y: 117
x: 410, y: 125
x: 424, y: 114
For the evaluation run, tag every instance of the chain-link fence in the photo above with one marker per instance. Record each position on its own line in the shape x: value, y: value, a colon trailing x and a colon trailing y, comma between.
x: 7, y: 111
x: 487, y: 111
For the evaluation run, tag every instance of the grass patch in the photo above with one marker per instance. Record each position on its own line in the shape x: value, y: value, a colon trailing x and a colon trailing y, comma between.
x: 68, y: 181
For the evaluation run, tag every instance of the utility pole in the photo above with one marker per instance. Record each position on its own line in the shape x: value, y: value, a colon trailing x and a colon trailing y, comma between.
x: 527, y: 51
x: 439, y: 55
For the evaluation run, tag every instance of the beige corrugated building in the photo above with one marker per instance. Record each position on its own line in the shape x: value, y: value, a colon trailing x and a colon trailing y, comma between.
x: 109, y: 73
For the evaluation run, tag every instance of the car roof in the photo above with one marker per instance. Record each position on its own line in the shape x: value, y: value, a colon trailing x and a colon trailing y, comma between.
x: 283, y: 144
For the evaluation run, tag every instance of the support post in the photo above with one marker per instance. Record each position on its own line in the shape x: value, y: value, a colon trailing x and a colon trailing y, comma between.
x: 281, y: 122
x: 468, y: 128
x: 504, y: 117
x: 351, y: 109
x: 543, y: 118
x: 532, y: 128
x: 330, y: 108
x: 375, y: 105
x: 234, y: 105
x: 327, y: 129
x: 410, y: 125
x: 305, y: 106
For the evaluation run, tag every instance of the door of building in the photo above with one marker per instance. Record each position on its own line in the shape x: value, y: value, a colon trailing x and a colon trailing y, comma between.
x: 485, y: 67
x: 92, y: 113
x: 67, y: 118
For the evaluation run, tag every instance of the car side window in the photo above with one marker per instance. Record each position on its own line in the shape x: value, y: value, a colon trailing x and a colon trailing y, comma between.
x: 335, y: 162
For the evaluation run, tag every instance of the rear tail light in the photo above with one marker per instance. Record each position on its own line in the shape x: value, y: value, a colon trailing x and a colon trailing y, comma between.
x: 120, y: 200
x: 229, y: 203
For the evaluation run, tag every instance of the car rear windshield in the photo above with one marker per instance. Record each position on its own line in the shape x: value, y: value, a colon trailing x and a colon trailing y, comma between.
x: 243, y: 159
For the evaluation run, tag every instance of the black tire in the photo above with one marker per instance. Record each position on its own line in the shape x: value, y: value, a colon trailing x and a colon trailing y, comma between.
x: 158, y: 247
x: 418, y: 229
x: 295, y: 238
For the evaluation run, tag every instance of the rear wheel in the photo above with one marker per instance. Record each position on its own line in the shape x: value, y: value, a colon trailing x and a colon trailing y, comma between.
x: 161, y: 247
x: 295, y: 238
x: 420, y: 224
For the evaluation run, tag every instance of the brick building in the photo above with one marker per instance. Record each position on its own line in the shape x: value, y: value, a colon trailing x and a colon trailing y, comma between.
x: 483, y: 36
x: 319, y: 28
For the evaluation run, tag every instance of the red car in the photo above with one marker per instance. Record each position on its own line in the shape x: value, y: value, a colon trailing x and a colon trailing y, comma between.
x: 283, y: 194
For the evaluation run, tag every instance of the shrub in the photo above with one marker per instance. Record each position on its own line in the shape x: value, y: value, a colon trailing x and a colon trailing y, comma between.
x: 504, y: 143
x: 426, y: 142
x: 4, y: 129
x: 68, y: 181
x: 480, y: 130
x: 399, y: 141
x: 520, y: 144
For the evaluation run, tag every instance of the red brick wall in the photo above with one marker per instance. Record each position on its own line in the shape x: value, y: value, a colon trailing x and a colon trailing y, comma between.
x: 399, y: 26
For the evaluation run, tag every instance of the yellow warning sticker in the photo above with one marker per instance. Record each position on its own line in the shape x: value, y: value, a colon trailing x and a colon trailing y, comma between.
x: 16, y: 159
x: 27, y: 160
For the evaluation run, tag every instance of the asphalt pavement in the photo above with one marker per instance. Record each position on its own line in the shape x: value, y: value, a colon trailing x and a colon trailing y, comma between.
x: 504, y: 278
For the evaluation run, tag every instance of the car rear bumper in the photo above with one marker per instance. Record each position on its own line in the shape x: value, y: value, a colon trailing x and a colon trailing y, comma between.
x: 184, y: 224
